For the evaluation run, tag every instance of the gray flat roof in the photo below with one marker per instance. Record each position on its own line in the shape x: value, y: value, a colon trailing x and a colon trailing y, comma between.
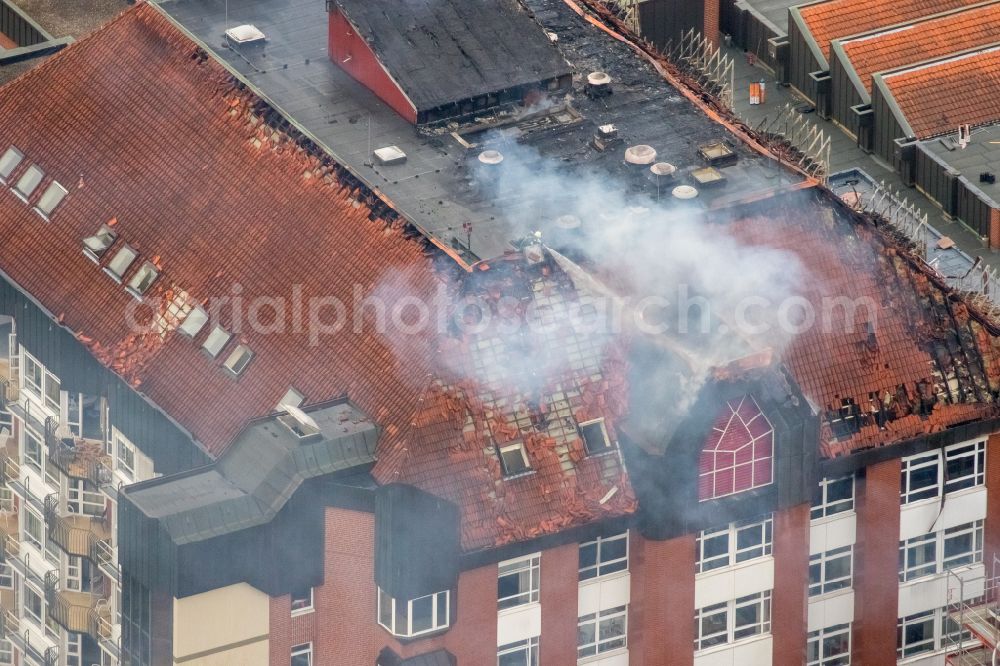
x: 435, y: 189
x: 980, y: 155
x: 250, y: 483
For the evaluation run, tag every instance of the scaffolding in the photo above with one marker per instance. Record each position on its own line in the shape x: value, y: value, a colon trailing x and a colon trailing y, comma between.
x: 627, y: 11
x: 973, y: 616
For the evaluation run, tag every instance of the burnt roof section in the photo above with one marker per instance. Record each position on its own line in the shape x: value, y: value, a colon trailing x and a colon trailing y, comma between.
x: 443, y: 51
x: 435, y: 189
x: 258, y: 474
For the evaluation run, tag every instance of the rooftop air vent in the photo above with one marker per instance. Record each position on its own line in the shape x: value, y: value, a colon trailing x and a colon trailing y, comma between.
x: 717, y: 154
x: 641, y: 155
x: 300, y: 423
x: 684, y: 192
x: 244, y: 35
x: 663, y: 170
x: 598, y: 85
x: 491, y: 157
x: 708, y: 177
x: 390, y: 155
x: 606, y: 137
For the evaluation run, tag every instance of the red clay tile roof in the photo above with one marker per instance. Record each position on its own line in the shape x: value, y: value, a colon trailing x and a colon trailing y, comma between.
x: 937, y: 98
x: 831, y: 20
x: 161, y: 138
x: 923, y: 41
x: 534, y: 385
x: 925, y: 341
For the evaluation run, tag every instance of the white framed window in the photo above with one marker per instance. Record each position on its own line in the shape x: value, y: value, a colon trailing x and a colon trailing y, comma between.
x: 830, y: 646
x: 6, y: 652
x: 33, y: 375
x: 833, y: 496
x: 85, y: 502
x: 52, y: 391
x: 604, y: 555
x: 733, y: 544
x: 8, y: 162
x: 95, y: 246
x: 120, y: 262
x: 52, y: 197
x: 194, y: 321
x: 34, y: 528
x: 216, y: 340
x: 733, y: 621
x: 595, y: 437
x: 34, y: 607
x: 830, y: 571
x: 6, y: 577
x: 936, y: 552
x: 142, y: 279
x: 28, y: 181
x: 125, y: 455
x: 604, y: 631
x: 32, y: 450
x: 514, y: 459
x: 521, y: 653
x: 416, y: 616
x: 302, y: 601
x: 239, y: 359
x: 518, y: 581
x: 954, y: 468
x: 302, y: 655
x: 916, y: 634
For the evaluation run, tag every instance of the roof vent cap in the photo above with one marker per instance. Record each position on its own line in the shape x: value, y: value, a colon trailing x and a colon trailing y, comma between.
x: 663, y: 169
x: 390, y: 155
x: 244, y: 34
x: 684, y: 192
x: 640, y: 155
x: 491, y: 157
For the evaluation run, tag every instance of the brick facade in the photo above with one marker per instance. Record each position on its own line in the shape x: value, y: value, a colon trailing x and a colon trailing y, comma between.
x: 991, y: 526
x: 661, y: 617
x: 559, y: 591
x: 791, y: 568
x: 876, y: 566
x: 711, y: 24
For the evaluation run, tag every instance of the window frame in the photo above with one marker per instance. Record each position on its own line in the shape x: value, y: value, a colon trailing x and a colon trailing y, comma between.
x: 124, y: 250
x: 39, y: 175
x: 46, y: 210
x: 820, y: 562
x: 937, y: 542
x: 911, y: 620
x: 216, y: 341
x: 122, y: 444
x: 105, y: 232
x: 38, y: 389
x: 820, y: 638
x: 14, y: 157
x: 709, y: 466
x: 308, y: 607
x: 602, y: 567
x: 440, y: 610
x: 28, y: 460
x: 600, y: 643
x: 142, y: 279
x: 528, y: 646
x: 734, y: 632
x: 608, y: 446
x: 939, y: 459
x: 302, y: 649
x: 823, y: 507
x: 974, y: 450
x: 40, y: 618
x: 530, y: 564
x: 735, y: 554
x: 510, y: 447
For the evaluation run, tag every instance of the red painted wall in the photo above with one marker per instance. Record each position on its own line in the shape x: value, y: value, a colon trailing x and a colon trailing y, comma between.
x: 991, y: 527
x: 560, y: 585
x: 352, y: 54
x: 876, y: 566
x: 661, y: 614
x: 791, y: 565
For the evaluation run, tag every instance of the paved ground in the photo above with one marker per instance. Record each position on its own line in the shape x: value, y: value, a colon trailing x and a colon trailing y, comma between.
x: 844, y: 153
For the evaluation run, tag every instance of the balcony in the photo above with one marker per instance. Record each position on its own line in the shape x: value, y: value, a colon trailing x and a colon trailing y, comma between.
x: 76, y: 457
x: 10, y: 629
x: 76, y: 533
x: 102, y: 553
x: 8, y: 388
x: 77, y: 611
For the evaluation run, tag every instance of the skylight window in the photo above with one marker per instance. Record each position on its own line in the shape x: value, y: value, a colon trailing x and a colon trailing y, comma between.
x: 29, y: 181
x: 216, y: 340
x: 194, y: 322
x: 120, y: 262
x: 95, y: 246
x: 8, y: 162
x: 595, y: 437
x: 514, y: 459
x: 51, y: 198
x: 142, y: 279
x: 239, y: 359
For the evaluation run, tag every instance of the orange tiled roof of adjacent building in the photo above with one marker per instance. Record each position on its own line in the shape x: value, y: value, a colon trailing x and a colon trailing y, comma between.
x: 834, y: 19
x: 938, y: 97
x: 960, y: 31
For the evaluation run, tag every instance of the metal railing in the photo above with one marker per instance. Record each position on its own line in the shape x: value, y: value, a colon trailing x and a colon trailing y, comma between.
x: 102, y: 553
x: 973, y: 607
x: 75, y: 611
x: 77, y: 458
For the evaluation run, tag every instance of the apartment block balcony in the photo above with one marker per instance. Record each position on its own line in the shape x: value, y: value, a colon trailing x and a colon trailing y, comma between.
x: 79, y: 611
x: 102, y: 553
x: 10, y: 629
x: 8, y: 387
x: 76, y: 457
x: 76, y: 533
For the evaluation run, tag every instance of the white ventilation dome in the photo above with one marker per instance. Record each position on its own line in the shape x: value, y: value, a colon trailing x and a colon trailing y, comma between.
x: 663, y: 169
x: 568, y: 222
x: 245, y: 34
x: 684, y: 192
x: 641, y: 155
x: 491, y: 157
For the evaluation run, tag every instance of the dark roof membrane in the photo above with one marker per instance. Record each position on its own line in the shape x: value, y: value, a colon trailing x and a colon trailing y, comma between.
x: 444, y: 51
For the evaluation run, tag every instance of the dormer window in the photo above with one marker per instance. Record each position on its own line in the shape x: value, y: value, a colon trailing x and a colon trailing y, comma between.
x: 8, y: 162
x: 239, y: 359
x: 514, y: 459
x: 595, y: 437
x: 95, y: 246
x: 28, y: 182
x: 216, y: 340
x: 416, y: 616
x: 120, y: 262
x: 195, y: 320
x: 142, y: 279
x: 52, y: 197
